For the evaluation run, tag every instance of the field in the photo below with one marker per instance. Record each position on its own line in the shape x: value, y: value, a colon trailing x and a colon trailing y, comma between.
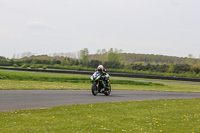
x: 167, y: 116
x: 155, y: 116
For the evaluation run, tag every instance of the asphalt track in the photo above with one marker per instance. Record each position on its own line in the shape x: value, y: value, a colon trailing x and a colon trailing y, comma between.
x: 29, y: 99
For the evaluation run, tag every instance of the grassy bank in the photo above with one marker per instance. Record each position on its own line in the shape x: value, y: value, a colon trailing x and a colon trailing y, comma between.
x: 17, y: 80
x: 178, y: 116
x: 51, y: 77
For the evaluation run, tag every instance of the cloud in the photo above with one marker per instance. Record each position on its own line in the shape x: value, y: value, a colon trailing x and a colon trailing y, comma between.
x: 37, y: 25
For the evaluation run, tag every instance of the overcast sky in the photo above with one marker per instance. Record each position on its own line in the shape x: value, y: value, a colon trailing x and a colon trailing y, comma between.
x: 164, y: 27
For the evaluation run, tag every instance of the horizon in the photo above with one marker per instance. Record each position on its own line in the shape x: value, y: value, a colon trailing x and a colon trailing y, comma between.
x: 75, y: 55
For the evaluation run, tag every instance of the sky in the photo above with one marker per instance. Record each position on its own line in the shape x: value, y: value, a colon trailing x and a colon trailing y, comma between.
x: 161, y: 27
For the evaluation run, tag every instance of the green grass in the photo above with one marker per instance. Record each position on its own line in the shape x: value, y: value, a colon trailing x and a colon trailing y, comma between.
x: 51, y: 77
x: 38, y: 85
x: 167, y: 116
x: 47, y: 77
x: 41, y: 81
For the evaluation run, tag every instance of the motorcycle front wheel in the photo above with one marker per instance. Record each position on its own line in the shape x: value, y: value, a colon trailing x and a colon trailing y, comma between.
x: 108, y: 90
x: 94, y: 89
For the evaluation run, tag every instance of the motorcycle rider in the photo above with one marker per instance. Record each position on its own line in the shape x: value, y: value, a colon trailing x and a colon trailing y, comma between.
x: 105, y: 76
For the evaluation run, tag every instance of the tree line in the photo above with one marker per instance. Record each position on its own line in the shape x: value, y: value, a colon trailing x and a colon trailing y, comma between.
x: 111, y: 59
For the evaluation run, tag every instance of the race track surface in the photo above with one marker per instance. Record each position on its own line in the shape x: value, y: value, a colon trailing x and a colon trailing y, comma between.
x: 28, y: 99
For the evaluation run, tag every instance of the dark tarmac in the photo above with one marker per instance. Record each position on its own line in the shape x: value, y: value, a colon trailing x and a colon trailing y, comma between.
x: 29, y: 99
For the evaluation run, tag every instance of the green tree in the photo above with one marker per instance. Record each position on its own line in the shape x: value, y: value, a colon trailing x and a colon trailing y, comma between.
x: 33, y: 66
x: 15, y: 65
x: 84, y: 56
x: 94, y: 63
x: 24, y: 66
x: 98, y: 51
x: 171, y: 68
x: 113, y: 55
x: 44, y: 67
x: 190, y: 59
x: 103, y: 51
x: 63, y: 61
x: 112, y: 59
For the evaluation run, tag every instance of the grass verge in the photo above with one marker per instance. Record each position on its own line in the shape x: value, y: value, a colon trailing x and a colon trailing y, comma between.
x: 51, y: 77
x: 15, y: 80
x: 38, y: 85
x: 155, y: 116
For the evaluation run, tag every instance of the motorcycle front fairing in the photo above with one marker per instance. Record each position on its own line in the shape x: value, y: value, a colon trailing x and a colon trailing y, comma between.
x: 97, y: 78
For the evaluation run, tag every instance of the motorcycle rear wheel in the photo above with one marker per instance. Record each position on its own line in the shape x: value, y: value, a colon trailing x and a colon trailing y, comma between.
x: 94, y: 89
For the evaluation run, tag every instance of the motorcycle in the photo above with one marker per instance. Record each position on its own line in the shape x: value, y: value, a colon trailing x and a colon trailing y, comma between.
x: 98, y: 85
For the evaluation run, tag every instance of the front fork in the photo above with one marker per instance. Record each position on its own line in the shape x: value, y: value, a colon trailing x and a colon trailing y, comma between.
x: 99, y: 88
x: 104, y: 87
